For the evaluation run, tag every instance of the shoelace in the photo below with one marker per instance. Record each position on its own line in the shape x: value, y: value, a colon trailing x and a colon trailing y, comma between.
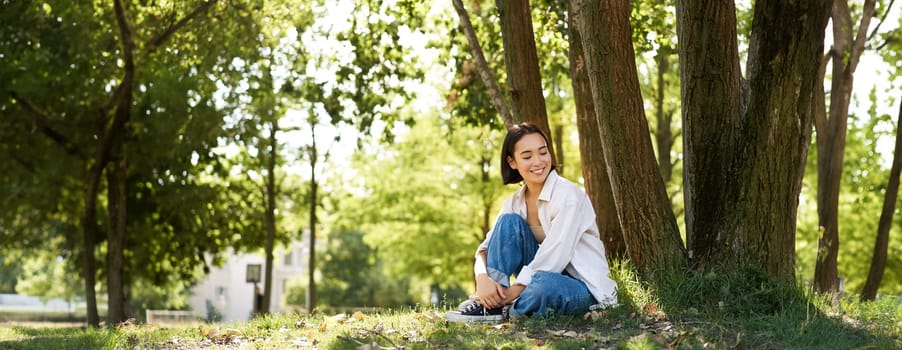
x: 473, y: 307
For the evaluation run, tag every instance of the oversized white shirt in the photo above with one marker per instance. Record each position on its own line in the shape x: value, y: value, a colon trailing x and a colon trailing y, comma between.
x: 571, y: 242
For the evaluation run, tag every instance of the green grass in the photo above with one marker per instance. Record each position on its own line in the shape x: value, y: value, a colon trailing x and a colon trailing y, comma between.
x: 745, y: 311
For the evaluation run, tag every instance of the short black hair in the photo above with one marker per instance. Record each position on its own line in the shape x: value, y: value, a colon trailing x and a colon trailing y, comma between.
x: 514, y: 134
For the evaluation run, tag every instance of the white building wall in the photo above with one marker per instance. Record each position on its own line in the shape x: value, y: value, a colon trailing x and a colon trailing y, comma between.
x: 233, y: 297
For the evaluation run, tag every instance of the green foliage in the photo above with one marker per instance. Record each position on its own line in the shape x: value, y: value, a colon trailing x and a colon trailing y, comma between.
x: 72, y: 50
x: 44, y: 275
x: 8, y: 275
x: 865, y: 176
x: 426, y: 194
x: 467, y: 97
x: 653, y: 26
x: 353, y: 275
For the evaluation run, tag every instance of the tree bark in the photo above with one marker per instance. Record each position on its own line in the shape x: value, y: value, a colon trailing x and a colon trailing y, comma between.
x: 482, y: 66
x: 744, y: 163
x: 521, y: 61
x: 594, y: 168
x: 116, y: 207
x: 90, y: 232
x: 709, y: 84
x: 116, y: 153
x: 270, y: 216
x: 881, y: 244
x: 664, y: 132
x: 649, y: 226
x: 831, y: 141
x: 311, y: 266
x: 784, y: 51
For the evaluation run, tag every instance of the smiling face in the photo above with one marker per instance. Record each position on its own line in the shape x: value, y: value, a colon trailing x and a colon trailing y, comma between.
x: 531, y: 159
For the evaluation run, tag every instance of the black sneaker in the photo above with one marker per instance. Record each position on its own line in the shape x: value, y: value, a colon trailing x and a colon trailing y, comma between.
x: 471, y: 311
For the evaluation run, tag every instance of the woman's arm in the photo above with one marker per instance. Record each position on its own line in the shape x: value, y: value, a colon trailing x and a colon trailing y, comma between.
x: 489, y: 293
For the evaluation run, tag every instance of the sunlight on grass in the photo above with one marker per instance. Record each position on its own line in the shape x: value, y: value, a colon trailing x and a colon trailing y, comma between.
x: 696, y: 311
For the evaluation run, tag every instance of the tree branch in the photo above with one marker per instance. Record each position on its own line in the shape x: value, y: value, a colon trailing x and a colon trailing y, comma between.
x: 24, y: 163
x: 860, y: 39
x: 161, y: 39
x: 882, y: 19
x: 39, y: 120
x: 818, y: 107
x: 482, y: 65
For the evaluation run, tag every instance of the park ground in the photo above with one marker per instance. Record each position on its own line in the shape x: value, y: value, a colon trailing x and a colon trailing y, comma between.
x: 746, y: 310
x: 849, y: 325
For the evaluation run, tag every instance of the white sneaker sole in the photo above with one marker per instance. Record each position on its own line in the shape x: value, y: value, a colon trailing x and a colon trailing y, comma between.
x: 456, y: 316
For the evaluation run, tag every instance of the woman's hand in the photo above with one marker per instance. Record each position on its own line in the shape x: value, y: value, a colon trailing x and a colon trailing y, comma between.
x: 489, y: 293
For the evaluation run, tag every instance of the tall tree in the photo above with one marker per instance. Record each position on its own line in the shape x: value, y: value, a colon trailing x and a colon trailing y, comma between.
x: 881, y: 243
x: 649, y: 226
x: 831, y: 135
x: 521, y: 61
x: 95, y: 128
x: 594, y: 168
x: 745, y: 142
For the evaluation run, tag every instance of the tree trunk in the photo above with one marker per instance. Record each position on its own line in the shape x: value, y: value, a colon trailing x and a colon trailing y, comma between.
x: 594, y: 168
x: 649, y: 226
x: 89, y: 228
x: 522, y: 64
x: 485, y: 164
x: 311, y: 266
x: 115, y: 151
x: 878, y: 261
x: 116, y: 207
x: 831, y: 140
x: 558, y: 138
x: 270, y: 216
x: 710, y: 76
x: 784, y: 52
x: 664, y: 133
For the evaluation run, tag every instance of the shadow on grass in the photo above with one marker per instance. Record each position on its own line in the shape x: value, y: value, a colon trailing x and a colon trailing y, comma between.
x: 749, y: 309
x: 57, y: 339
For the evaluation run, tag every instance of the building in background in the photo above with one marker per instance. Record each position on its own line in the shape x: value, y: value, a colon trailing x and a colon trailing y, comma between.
x: 226, y: 295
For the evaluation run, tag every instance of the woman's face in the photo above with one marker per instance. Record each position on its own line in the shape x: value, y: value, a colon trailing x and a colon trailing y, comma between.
x: 531, y: 158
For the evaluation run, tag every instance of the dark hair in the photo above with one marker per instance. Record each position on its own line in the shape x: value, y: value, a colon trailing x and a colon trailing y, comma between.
x: 514, y: 134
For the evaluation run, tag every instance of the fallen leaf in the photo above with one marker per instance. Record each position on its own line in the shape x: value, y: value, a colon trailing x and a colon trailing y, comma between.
x: 226, y: 335
x: 127, y: 323
x: 358, y: 316
x: 322, y: 326
x: 425, y: 316
x: 594, y: 315
x: 537, y: 341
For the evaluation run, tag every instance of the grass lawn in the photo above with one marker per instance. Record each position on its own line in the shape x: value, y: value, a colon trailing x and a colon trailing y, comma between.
x: 746, y: 310
x: 619, y: 328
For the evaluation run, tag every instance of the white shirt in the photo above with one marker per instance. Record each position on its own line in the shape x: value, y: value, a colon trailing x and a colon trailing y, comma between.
x: 571, y: 242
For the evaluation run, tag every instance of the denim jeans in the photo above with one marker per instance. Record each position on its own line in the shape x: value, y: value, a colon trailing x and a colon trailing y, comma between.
x: 513, y: 246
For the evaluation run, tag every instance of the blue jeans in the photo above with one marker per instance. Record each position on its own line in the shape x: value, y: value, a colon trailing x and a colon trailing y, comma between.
x: 513, y: 246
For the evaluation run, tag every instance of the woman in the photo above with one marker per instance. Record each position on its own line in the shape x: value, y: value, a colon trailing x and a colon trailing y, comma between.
x: 545, y: 235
